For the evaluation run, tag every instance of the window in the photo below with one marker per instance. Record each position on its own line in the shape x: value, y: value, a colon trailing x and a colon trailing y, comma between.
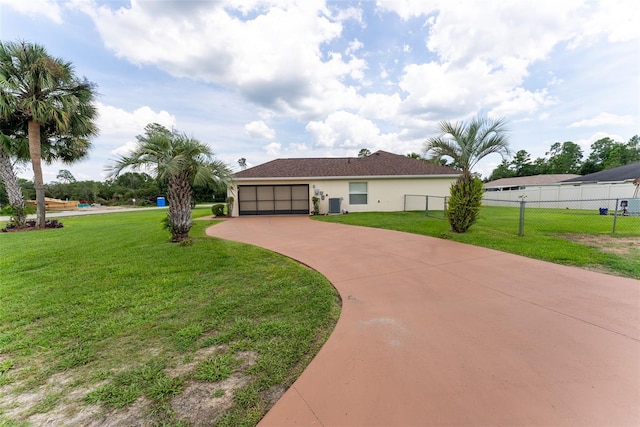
x: 357, y: 193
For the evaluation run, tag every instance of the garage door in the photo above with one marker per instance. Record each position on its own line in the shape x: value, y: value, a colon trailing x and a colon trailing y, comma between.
x: 273, y: 199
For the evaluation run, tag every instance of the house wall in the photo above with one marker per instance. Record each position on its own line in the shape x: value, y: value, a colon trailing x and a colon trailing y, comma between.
x: 383, y: 194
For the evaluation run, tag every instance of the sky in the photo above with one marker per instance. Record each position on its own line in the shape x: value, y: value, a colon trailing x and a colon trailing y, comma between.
x: 262, y: 80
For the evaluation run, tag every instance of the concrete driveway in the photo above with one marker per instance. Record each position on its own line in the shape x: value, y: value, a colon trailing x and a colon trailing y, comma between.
x: 434, y: 332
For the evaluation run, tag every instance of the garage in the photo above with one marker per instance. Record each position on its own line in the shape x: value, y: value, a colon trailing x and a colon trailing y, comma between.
x: 273, y: 199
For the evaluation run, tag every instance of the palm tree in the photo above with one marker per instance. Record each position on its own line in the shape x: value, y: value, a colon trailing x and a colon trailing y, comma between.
x: 44, y: 92
x: 466, y: 144
x: 182, y: 162
x: 12, y: 186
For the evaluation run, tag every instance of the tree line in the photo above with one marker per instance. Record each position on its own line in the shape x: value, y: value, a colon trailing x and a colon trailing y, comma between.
x: 568, y: 158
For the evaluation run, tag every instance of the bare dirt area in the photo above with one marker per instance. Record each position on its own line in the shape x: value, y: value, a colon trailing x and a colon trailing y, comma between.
x: 606, y: 243
x: 60, y: 401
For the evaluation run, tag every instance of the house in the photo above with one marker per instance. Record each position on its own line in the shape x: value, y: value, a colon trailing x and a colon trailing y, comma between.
x: 621, y: 174
x: 623, y: 179
x: 377, y: 182
x: 607, y: 188
x: 520, y: 182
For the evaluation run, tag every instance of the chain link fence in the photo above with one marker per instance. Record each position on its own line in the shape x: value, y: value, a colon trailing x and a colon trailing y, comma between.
x: 433, y: 206
x: 588, y: 216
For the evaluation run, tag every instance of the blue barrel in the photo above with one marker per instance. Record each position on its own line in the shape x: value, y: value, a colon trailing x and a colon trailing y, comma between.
x: 161, y: 202
x: 604, y: 211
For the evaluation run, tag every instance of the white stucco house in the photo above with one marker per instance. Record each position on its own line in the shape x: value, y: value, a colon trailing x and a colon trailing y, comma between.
x: 377, y: 182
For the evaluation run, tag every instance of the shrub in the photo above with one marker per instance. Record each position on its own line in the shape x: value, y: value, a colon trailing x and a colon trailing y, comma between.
x: 217, y: 209
x: 464, y: 203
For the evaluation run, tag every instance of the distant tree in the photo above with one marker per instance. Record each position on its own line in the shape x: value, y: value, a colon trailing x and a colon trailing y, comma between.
x: 182, y: 162
x: 522, y: 165
x: 364, y: 152
x: 564, y: 157
x: 45, y: 93
x: 65, y: 176
x: 502, y: 171
x: 607, y: 153
x: 242, y: 162
x: 466, y: 144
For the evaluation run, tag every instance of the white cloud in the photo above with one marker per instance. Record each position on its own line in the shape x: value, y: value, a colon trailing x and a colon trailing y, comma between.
x: 354, y: 46
x: 380, y: 106
x: 272, y: 55
x: 273, y: 149
x: 604, y: 119
x: 347, y: 130
x: 125, y: 149
x: 618, y: 19
x: 259, y: 129
x: 115, y: 122
x: 48, y: 8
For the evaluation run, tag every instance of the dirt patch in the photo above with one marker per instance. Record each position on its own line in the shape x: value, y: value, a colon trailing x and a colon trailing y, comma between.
x: 200, y: 403
x: 610, y: 244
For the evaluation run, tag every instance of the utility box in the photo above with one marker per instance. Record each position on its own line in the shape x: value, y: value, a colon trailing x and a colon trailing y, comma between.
x: 334, y: 205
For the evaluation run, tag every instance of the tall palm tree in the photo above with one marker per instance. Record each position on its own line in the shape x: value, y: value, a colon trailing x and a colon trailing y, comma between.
x: 466, y: 144
x: 46, y: 94
x: 180, y: 161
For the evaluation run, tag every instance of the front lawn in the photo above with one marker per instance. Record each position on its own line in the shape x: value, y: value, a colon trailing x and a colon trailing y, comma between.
x: 561, y: 239
x: 104, y: 319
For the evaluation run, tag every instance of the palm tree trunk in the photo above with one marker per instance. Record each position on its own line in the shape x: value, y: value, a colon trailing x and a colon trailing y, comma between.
x: 179, y: 197
x: 36, y: 162
x: 14, y: 192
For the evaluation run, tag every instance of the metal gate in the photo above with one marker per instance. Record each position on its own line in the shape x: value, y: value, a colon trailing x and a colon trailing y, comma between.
x: 273, y: 199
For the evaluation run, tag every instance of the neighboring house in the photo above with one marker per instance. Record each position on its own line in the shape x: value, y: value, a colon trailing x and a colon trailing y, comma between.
x: 621, y: 174
x: 608, y: 188
x: 377, y: 182
x: 520, y: 182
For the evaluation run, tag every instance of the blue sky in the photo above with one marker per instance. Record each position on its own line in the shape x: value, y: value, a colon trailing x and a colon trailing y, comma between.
x: 284, y: 78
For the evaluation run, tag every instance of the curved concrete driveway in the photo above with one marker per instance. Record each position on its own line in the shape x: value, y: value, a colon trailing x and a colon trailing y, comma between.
x: 434, y: 332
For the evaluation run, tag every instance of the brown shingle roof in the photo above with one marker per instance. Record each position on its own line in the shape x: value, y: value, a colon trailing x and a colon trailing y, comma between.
x: 379, y: 163
x: 529, y: 180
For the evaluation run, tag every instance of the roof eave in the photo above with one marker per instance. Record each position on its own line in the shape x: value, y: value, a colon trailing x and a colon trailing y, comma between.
x: 311, y: 178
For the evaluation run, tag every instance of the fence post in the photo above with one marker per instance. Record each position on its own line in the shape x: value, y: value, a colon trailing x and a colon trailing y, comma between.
x: 615, y: 217
x: 521, y: 225
x: 404, y: 208
x: 446, y: 207
x: 426, y: 205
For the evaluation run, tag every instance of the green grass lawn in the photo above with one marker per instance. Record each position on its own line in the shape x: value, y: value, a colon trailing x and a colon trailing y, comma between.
x: 106, y: 318
x: 550, y: 234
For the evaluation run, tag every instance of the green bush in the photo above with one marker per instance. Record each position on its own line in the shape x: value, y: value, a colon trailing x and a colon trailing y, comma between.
x: 217, y: 209
x: 464, y: 203
x: 8, y: 210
